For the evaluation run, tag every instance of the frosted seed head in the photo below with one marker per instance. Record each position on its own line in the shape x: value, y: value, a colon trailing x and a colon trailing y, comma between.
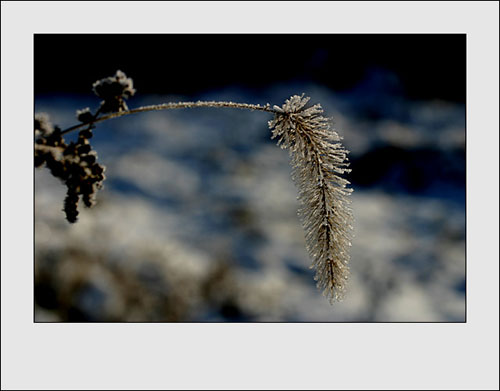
x: 324, y: 211
x: 113, y: 90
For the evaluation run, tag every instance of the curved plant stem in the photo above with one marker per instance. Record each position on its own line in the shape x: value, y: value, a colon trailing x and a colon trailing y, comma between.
x: 178, y: 105
x: 318, y: 161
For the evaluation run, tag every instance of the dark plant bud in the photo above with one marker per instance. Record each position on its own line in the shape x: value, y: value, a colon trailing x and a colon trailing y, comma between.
x: 88, y: 200
x: 71, y: 205
x: 89, y: 158
x: 85, y: 134
x: 83, y: 149
x: 97, y: 169
x: 84, y: 115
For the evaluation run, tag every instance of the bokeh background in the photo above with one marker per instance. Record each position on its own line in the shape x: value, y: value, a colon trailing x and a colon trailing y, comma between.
x: 197, y: 220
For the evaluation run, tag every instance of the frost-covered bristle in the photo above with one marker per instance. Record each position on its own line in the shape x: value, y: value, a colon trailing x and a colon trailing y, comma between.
x: 318, y: 158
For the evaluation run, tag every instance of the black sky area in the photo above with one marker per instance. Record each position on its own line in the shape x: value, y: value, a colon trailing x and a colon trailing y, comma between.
x: 429, y: 66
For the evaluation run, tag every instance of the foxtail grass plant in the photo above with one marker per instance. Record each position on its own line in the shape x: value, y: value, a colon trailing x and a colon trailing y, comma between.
x: 317, y: 157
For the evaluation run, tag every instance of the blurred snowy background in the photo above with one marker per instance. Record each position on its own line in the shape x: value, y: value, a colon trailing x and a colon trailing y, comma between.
x: 197, y: 219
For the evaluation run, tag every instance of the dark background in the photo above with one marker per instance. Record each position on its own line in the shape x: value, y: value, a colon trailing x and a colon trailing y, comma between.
x: 427, y: 65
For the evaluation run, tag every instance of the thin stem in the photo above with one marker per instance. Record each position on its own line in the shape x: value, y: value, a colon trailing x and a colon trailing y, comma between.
x: 178, y: 105
x: 94, y: 118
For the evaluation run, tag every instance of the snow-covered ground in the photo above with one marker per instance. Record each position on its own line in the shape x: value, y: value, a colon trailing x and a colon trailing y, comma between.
x: 197, y: 220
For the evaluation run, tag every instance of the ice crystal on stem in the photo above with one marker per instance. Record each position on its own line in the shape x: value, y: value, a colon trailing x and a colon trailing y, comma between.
x: 318, y: 159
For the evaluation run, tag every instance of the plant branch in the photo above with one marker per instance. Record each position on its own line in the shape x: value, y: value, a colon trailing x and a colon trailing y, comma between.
x: 178, y: 105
